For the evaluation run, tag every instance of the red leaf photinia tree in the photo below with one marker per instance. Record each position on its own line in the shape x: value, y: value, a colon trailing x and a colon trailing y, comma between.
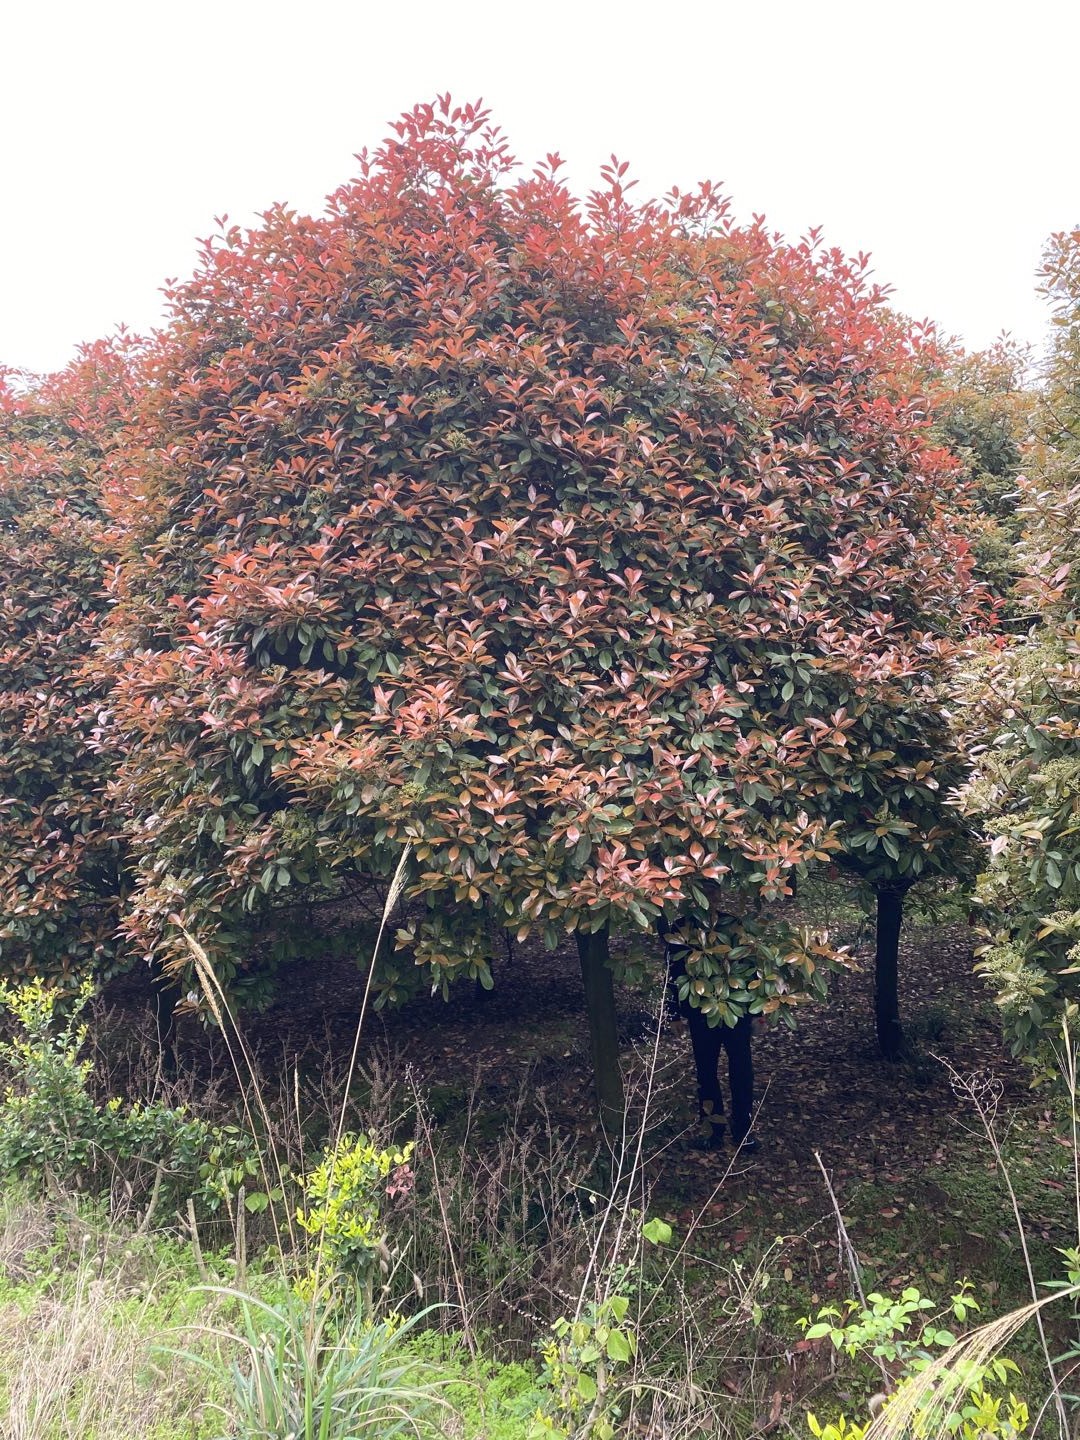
x: 575, y: 546
x: 60, y: 841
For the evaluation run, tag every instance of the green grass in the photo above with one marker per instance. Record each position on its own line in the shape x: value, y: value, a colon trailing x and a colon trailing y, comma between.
x: 93, y: 1318
x: 86, y: 1316
x: 107, y: 1334
x: 492, y: 1400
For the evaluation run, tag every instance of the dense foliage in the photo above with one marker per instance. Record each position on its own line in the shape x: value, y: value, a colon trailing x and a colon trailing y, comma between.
x: 59, y: 841
x: 1025, y: 713
x: 985, y: 412
x: 581, y: 548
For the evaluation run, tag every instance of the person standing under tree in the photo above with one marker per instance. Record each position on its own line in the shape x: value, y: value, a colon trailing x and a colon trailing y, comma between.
x: 708, y: 1041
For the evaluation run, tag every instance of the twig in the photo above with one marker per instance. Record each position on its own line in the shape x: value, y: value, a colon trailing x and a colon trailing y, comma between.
x: 144, y: 1223
x: 847, y: 1248
x: 459, y: 1283
x: 241, y: 1235
x: 196, y: 1247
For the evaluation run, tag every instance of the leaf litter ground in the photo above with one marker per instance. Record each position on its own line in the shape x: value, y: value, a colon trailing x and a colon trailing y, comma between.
x: 901, y: 1146
x: 904, y: 1150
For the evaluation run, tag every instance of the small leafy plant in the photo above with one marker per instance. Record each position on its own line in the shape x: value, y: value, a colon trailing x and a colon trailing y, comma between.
x: 583, y: 1354
x: 56, y: 1134
x: 578, y: 1363
x: 345, y: 1193
x: 900, y: 1334
x: 883, y: 1327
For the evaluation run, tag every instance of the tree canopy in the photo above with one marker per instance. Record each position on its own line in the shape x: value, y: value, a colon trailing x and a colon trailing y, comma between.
x: 1024, y: 712
x: 984, y: 404
x: 60, y: 841
x: 581, y: 547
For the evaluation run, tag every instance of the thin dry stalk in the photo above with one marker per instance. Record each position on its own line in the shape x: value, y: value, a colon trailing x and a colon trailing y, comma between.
x: 196, y: 1243
x: 984, y: 1093
x: 847, y: 1249
x: 636, y: 1172
x: 1066, y: 1058
x: 940, y: 1389
x: 629, y: 1198
x: 505, y: 1215
x: 249, y: 1083
x: 220, y: 1009
x: 74, y: 1364
x: 459, y: 1285
x: 397, y: 884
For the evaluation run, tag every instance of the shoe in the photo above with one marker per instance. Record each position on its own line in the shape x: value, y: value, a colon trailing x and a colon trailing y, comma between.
x: 746, y: 1143
x: 709, y: 1140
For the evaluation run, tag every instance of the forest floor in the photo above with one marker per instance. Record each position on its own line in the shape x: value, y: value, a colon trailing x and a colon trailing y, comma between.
x: 917, y: 1181
x: 902, y: 1143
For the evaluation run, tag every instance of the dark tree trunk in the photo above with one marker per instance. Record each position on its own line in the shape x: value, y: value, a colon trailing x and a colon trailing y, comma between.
x: 167, y: 996
x: 890, y: 912
x: 603, y: 1031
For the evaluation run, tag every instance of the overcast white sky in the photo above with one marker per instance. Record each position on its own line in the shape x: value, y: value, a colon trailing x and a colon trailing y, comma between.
x: 942, y: 137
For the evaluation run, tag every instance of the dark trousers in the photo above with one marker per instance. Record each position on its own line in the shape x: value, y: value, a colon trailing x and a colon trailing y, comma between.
x: 708, y: 1041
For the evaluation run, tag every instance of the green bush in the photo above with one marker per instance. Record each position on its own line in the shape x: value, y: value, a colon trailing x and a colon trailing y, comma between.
x: 55, y: 1134
x: 903, y: 1333
x: 345, y: 1194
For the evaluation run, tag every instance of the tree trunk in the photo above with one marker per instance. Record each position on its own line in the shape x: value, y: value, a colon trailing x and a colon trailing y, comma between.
x: 603, y: 1032
x: 890, y: 911
x: 167, y: 994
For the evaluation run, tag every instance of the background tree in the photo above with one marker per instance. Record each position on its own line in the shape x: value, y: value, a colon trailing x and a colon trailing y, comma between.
x: 984, y: 406
x: 901, y: 829
x: 565, y: 544
x: 59, y: 846
x: 900, y: 826
x: 1024, y: 712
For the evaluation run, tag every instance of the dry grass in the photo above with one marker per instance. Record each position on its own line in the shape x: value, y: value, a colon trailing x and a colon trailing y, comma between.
x: 86, y: 1331
x: 25, y: 1228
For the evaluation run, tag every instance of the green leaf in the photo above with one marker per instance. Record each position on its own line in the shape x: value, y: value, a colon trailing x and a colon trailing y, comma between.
x: 618, y: 1346
x: 657, y: 1231
x: 586, y: 1387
